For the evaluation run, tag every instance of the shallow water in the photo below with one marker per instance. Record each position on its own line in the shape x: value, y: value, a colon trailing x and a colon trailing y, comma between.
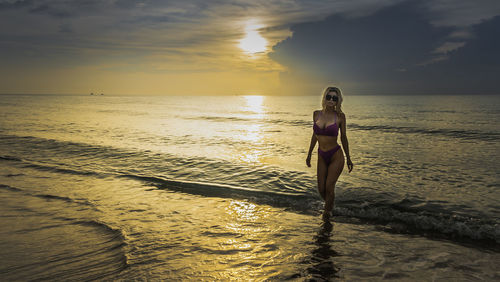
x: 217, y: 188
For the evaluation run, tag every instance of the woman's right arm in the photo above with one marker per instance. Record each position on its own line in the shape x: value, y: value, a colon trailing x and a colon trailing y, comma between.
x: 311, y: 147
x: 314, y: 139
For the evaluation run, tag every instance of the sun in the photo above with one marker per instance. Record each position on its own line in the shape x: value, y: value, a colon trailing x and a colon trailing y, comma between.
x: 253, y: 42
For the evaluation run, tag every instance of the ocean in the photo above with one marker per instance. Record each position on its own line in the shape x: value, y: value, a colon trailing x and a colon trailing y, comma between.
x: 216, y: 188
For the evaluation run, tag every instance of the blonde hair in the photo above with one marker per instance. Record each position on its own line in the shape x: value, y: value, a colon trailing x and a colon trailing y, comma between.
x: 338, y: 106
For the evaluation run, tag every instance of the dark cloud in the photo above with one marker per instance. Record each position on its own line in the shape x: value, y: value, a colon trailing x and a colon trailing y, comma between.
x: 65, y: 28
x: 4, y: 5
x: 395, y: 50
x: 472, y: 69
x: 461, y: 13
x: 55, y: 12
x: 62, y: 9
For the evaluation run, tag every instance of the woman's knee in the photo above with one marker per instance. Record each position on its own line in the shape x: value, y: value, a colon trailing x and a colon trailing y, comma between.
x: 322, y: 181
x: 330, y: 189
x: 330, y: 182
x: 322, y: 176
x: 321, y: 187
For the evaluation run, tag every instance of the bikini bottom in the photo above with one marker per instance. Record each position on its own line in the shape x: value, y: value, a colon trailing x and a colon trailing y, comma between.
x: 327, y: 156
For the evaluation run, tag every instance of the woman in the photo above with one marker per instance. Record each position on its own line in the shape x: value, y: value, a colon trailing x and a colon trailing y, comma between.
x: 327, y: 123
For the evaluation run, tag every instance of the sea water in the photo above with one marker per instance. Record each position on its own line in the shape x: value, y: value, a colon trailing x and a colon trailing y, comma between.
x: 216, y: 187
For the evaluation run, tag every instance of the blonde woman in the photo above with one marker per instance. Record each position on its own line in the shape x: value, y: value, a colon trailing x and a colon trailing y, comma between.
x: 327, y: 123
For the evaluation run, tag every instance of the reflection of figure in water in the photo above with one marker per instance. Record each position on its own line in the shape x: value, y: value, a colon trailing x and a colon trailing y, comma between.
x: 327, y: 123
x: 321, y: 262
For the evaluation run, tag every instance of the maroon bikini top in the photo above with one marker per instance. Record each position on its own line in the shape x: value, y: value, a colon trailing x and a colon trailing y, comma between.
x: 331, y: 130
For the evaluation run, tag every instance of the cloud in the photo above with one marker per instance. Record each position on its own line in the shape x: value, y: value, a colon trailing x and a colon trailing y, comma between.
x: 441, y: 53
x: 465, y: 33
x: 174, y: 32
x: 461, y: 13
x: 448, y: 47
x: 395, y: 50
x: 202, y: 35
x: 433, y: 60
x: 65, y: 28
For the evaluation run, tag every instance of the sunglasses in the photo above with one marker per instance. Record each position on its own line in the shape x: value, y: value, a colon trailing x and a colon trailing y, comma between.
x: 331, y: 97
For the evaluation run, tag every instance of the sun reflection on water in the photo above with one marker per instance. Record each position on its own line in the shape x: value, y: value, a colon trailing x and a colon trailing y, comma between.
x: 243, y: 210
x: 254, y: 104
x: 253, y: 132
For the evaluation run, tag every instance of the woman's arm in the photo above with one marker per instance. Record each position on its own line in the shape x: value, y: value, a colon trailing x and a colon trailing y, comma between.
x: 311, y: 148
x: 314, y: 139
x: 345, y: 142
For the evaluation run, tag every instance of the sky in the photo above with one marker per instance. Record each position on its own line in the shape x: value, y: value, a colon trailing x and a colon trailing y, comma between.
x: 249, y: 47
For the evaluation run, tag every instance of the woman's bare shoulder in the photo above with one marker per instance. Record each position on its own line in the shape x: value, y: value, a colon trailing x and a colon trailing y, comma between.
x: 342, y: 117
x: 315, y: 114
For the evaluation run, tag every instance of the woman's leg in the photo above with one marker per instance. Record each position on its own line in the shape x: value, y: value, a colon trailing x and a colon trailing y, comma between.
x: 334, y: 170
x: 322, y: 172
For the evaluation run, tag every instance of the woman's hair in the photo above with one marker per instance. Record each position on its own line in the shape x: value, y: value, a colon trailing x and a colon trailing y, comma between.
x: 338, y: 106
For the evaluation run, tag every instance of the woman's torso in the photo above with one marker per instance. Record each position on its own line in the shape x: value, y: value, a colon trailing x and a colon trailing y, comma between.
x: 326, y: 128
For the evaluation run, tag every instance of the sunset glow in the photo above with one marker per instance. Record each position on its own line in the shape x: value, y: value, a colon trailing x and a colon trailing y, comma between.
x: 222, y: 48
x: 253, y: 42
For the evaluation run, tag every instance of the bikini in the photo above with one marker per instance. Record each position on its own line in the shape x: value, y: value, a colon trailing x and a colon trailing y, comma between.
x: 331, y: 130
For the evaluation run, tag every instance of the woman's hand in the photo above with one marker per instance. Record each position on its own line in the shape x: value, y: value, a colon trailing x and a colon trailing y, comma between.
x: 349, y: 164
x: 308, y: 160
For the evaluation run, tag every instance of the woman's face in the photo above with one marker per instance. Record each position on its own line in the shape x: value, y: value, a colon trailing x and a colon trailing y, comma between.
x: 331, y: 98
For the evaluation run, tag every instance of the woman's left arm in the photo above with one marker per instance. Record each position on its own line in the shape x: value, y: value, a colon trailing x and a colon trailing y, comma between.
x: 345, y: 143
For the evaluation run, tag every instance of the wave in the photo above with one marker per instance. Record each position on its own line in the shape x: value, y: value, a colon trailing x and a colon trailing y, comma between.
x: 61, y: 170
x: 117, y: 233
x: 220, y: 119
x: 47, y: 147
x: 453, y: 133
x: 303, y: 123
x: 10, y: 188
x: 123, y: 112
x: 437, y: 111
x: 102, y: 161
x: 406, y: 216
x: 14, y: 175
x: 293, y: 200
x: 462, y: 134
x: 10, y: 158
x: 285, y: 189
x: 49, y: 197
x: 100, y: 259
x: 68, y: 200
x: 98, y: 254
x: 400, y: 218
x: 65, y: 199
